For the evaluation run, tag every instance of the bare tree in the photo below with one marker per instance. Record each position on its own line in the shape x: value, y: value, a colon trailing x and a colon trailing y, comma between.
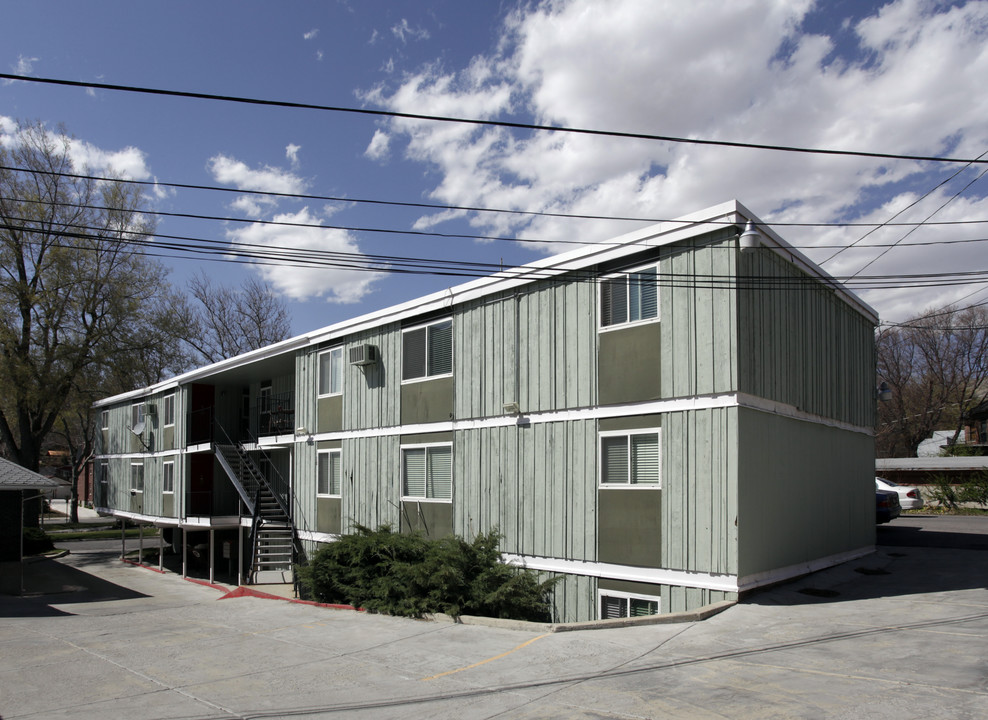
x: 73, y: 281
x: 231, y: 321
x: 937, y: 368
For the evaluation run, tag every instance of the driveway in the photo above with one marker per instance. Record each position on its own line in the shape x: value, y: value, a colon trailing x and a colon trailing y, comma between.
x: 902, y: 633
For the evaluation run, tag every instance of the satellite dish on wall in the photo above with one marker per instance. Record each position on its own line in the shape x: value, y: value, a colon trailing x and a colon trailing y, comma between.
x: 139, y: 427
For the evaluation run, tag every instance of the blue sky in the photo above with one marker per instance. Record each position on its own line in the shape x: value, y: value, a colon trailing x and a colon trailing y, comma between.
x: 900, y: 77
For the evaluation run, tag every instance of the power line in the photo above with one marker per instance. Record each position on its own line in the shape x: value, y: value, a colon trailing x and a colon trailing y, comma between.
x: 900, y: 212
x: 467, y: 236
x: 466, y: 208
x: 485, y: 123
x: 245, y: 253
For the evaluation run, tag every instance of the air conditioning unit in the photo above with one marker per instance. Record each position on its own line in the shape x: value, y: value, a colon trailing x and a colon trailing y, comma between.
x: 363, y: 355
x: 150, y: 409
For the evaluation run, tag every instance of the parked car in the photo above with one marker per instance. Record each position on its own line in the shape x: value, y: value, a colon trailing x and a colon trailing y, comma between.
x: 886, y: 506
x: 910, y: 498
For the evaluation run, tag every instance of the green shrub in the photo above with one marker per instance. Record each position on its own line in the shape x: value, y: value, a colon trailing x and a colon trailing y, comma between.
x: 400, y: 574
x: 36, y: 541
x: 976, y: 490
x: 942, y: 492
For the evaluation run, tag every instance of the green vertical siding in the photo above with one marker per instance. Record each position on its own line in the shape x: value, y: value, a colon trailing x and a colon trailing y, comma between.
x: 370, y: 482
x: 538, y: 349
x: 537, y: 483
x: 803, y: 345
x: 699, y: 325
x: 699, y: 490
x: 371, y: 393
x: 807, y: 491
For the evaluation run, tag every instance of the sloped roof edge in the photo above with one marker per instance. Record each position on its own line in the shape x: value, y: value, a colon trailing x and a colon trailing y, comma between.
x: 731, y: 212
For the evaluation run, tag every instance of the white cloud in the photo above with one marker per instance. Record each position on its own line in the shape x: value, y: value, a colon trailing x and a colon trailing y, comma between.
x: 311, y: 35
x: 740, y: 71
x: 252, y: 205
x: 23, y: 66
x: 378, y: 147
x: 303, y: 282
x: 230, y: 171
x: 129, y: 163
x: 405, y: 32
x: 291, y: 152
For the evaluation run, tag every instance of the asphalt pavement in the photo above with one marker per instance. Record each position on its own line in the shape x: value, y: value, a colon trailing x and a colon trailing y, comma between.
x: 901, y: 633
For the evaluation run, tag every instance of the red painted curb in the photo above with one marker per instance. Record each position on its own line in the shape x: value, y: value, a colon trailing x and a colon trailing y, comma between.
x: 250, y: 592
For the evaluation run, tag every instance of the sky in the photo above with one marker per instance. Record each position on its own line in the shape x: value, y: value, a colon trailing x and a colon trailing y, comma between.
x: 906, y: 77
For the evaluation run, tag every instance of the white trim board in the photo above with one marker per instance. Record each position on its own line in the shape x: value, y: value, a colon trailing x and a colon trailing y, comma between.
x: 655, y: 407
x: 682, y: 578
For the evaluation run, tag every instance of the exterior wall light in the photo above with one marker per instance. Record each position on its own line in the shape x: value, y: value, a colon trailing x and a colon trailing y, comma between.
x: 512, y: 408
x: 884, y: 392
x: 750, y: 239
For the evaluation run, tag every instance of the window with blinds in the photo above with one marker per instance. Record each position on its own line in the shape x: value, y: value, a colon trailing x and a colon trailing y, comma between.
x: 427, y: 472
x: 328, y: 473
x: 631, y: 459
x: 427, y: 351
x: 630, y: 297
x: 612, y: 606
x: 331, y: 372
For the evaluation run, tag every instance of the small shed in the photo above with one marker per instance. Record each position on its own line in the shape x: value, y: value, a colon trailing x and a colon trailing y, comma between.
x: 17, y: 486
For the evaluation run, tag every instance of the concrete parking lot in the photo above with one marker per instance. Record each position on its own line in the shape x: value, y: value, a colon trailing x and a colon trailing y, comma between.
x: 902, y: 633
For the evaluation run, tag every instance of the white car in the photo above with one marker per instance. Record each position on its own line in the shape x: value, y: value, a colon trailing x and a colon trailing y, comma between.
x: 910, y: 498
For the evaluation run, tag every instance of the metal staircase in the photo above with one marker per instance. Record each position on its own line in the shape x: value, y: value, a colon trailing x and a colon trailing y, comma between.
x: 273, y: 537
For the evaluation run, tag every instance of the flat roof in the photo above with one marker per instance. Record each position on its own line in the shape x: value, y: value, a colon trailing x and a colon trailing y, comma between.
x: 657, y: 235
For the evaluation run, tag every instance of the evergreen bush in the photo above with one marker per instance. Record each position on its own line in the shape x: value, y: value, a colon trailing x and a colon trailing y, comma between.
x: 36, y: 541
x: 406, y: 574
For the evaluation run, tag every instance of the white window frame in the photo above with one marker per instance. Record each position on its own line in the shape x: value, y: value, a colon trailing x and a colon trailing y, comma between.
x: 104, y: 419
x: 137, y: 411
x: 328, y: 454
x: 627, y: 276
x: 627, y: 597
x: 337, y: 351
x: 164, y: 477
x: 425, y: 446
x: 629, y: 485
x: 134, y: 486
x: 168, y: 410
x: 426, y: 326
x: 104, y: 467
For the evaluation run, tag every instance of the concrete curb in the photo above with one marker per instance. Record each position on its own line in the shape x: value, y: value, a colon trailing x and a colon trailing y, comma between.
x: 505, y: 624
x: 664, y: 619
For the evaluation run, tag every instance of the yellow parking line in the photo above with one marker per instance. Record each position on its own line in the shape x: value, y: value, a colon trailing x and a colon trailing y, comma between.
x: 483, y: 662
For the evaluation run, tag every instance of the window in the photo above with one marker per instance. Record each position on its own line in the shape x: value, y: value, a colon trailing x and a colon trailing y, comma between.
x: 104, y: 419
x: 427, y: 351
x: 328, y: 473
x: 630, y: 459
x: 136, y: 415
x: 169, y: 411
x: 104, y: 472
x: 168, y: 477
x: 427, y: 472
x: 137, y: 477
x: 629, y: 297
x: 331, y: 372
x: 621, y: 605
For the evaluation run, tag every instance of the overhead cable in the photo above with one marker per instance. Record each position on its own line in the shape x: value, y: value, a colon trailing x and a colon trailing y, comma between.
x: 484, y: 123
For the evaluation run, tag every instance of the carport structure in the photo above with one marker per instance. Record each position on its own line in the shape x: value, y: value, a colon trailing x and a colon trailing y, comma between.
x: 18, y: 486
